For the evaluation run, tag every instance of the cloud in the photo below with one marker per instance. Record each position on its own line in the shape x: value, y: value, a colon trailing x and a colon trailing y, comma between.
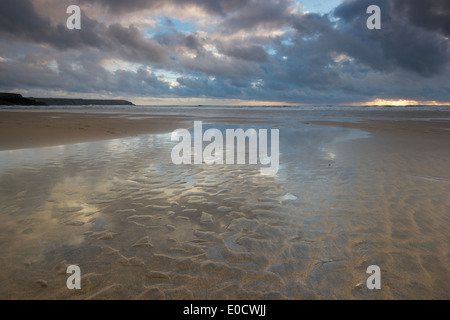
x: 262, y: 14
x: 249, y: 52
x: 20, y: 21
x: 399, y: 43
x: 130, y: 44
x: 433, y: 15
x: 216, y: 7
x: 256, y: 50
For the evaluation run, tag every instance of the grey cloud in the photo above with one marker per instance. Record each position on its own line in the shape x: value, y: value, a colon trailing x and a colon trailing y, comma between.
x: 238, y: 61
x: 310, y: 24
x: 356, y: 10
x: 258, y: 13
x: 399, y: 42
x: 242, y: 14
x: 16, y: 75
x: 130, y: 44
x: 77, y: 72
x: 192, y: 42
x: 174, y: 40
x: 210, y: 65
x: 430, y: 14
x: 250, y: 52
x: 20, y: 21
x: 317, y: 40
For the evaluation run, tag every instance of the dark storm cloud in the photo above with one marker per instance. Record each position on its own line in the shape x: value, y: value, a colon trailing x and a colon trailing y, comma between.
x: 351, y: 10
x: 401, y: 43
x: 19, y: 20
x: 430, y: 14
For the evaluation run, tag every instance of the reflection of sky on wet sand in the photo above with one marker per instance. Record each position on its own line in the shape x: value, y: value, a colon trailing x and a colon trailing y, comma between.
x: 139, y: 226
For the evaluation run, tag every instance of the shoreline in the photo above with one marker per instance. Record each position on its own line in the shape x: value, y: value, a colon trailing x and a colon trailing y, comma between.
x: 34, y: 129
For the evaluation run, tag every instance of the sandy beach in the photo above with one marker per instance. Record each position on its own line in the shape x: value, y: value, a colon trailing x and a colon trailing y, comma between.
x: 99, y: 191
x: 225, y: 150
x: 40, y: 129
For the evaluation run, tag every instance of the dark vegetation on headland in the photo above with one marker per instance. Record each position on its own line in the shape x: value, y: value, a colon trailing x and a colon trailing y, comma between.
x: 14, y: 99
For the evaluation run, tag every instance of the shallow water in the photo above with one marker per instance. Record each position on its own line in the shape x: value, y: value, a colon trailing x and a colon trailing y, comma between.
x: 139, y: 226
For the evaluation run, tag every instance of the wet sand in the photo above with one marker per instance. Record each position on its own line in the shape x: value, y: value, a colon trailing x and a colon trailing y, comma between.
x: 27, y: 129
x: 423, y: 130
x: 348, y: 195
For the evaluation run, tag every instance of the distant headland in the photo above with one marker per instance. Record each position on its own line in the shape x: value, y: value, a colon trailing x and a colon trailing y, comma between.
x: 15, y: 99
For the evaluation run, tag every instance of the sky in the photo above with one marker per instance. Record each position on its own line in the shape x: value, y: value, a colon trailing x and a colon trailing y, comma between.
x: 221, y: 52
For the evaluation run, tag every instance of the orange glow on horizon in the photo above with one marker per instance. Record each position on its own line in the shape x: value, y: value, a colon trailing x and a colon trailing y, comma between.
x: 402, y: 102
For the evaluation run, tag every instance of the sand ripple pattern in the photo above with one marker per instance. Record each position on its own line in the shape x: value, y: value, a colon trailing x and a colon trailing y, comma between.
x: 141, y: 228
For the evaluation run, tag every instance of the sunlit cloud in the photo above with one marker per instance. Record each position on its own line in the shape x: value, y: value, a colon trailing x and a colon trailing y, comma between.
x: 403, y: 102
x: 113, y: 65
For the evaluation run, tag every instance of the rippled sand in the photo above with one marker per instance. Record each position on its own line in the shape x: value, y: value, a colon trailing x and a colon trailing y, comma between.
x: 140, y: 227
